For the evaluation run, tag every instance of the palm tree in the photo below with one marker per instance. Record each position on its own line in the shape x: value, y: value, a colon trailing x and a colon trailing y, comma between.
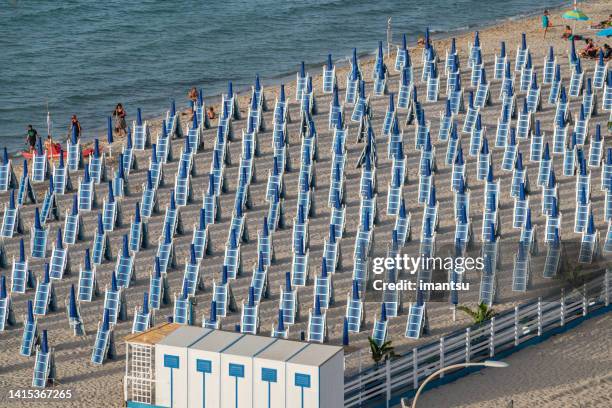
x: 381, y: 352
x: 574, y: 276
x: 479, y: 314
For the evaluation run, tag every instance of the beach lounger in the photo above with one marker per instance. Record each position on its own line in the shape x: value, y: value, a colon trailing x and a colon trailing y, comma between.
x: 165, y: 251
x: 44, y: 364
x: 526, y: 73
x: 417, y: 322
x: 379, y: 330
x: 500, y: 62
x: 60, y: 261
x: 125, y: 268
x: 232, y: 259
x: 158, y: 287
x: 323, y: 287
x: 299, y: 264
x: 61, y: 177
x: 555, y: 87
x: 44, y: 298
x: 114, y: 302
x: 223, y: 296
x: 289, y: 301
x: 317, y: 324
x: 192, y: 279
x: 589, y: 243
x: 521, y: 53
x: 31, y: 336
x: 183, y: 312
x: 355, y: 315
x: 144, y: 317
x: 548, y: 69
x: 249, y: 318
x: 38, y: 237
x: 259, y: 280
x: 88, y: 283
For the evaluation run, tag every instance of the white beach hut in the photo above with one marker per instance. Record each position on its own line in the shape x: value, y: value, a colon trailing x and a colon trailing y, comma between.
x: 315, y: 377
x: 269, y: 373
x: 171, y: 366
x: 204, y: 360
x: 237, y: 370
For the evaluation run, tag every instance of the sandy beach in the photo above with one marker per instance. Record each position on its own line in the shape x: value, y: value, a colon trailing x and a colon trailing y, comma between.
x: 101, y: 386
x: 572, y: 370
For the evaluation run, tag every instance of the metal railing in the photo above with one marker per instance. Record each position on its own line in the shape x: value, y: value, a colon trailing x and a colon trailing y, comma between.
x: 503, y: 332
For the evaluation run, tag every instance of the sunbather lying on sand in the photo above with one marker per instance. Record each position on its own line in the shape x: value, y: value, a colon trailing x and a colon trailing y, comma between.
x: 568, y: 34
x: 604, y: 24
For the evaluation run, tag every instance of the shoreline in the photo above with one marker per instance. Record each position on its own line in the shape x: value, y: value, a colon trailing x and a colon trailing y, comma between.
x: 288, y: 78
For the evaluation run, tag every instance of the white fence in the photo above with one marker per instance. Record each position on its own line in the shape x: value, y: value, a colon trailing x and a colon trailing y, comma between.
x: 502, y: 333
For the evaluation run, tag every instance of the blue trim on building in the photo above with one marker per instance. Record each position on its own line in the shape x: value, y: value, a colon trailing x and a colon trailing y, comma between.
x: 133, y: 404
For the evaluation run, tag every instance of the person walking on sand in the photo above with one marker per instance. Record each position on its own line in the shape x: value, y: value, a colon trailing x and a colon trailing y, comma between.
x: 31, y: 138
x: 120, y: 125
x: 546, y: 24
x: 74, y: 123
x: 193, y: 95
x: 193, y: 98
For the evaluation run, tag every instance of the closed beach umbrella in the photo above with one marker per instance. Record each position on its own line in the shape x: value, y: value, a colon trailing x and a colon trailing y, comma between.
x: 345, y: 332
x: 109, y: 134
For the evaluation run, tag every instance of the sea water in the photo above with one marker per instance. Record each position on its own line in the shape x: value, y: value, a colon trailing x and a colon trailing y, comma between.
x: 83, y: 57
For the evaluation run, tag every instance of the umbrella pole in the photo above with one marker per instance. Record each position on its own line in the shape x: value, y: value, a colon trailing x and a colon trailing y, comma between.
x: 575, y: 9
x: 389, y: 36
x: 49, y: 153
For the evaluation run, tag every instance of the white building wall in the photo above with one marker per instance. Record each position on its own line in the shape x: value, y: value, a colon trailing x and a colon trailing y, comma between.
x: 331, y: 380
x: 268, y: 383
x: 230, y: 370
x: 315, y: 378
x: 302, y: 386
x: 236, y: 381
x: 204, y: 379
x: 171, y: 385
